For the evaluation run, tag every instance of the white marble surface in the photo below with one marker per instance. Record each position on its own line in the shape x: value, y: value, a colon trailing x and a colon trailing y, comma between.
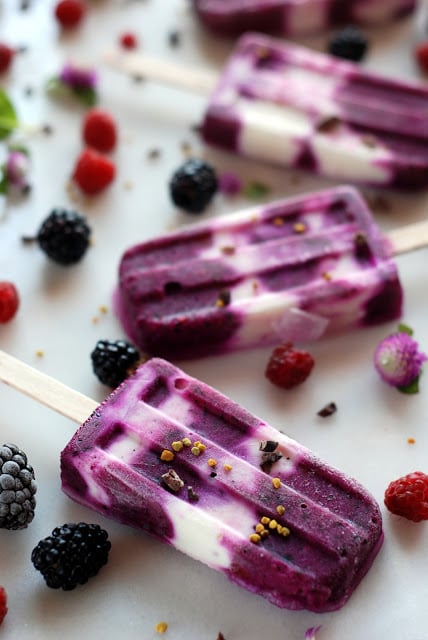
x: 146, y: 582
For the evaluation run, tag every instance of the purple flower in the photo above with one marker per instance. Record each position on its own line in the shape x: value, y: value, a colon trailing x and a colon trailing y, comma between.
x: 17, y: 167
x: 78, y: 77
x: 312, y: 632
x: 398, y: 360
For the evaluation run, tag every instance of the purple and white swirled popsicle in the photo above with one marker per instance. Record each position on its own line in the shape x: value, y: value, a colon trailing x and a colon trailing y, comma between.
x: 169, y: 455
x: 296, y: 17
x: 295, y: 269
x: 292, y: 106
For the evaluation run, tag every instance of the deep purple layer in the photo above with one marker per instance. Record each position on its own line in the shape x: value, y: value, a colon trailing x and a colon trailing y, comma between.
x: 336, y: 525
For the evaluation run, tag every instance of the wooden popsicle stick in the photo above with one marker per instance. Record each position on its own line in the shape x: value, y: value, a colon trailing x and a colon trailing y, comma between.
x: 409, y: 238
x: 45, y: 389
x: 163, y: 71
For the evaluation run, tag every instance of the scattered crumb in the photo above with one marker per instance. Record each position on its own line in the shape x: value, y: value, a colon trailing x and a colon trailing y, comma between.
x: 40, y: 353
x: 153, y: 154
x: 103, y: 308
x: 220, y: 636
x: 327, y: 410
x: 161, y: 627
x: 128, y: 185
x: 95, y: 320
x: 411, y: 440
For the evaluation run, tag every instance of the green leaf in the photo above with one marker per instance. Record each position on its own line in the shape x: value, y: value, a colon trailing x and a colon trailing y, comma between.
x: 58, y: 89
x: 8, y: 117
x: 4, y: 182
x: 86, y: 95
x: 255, y: 190
x: 411, y: 388
x: 403, y: 328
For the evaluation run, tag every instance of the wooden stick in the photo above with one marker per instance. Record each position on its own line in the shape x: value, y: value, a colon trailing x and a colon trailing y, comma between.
x: 166, y: 72
x: 44, y: 389
x: 410, y: 237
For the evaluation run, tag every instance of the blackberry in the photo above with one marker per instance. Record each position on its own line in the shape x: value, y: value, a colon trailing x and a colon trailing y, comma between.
x: 113, y: 361
x: 349, y: 43
x: 193, y: 185
x: 17, y: 488
x: 63, y: 236
x: 71, y: 555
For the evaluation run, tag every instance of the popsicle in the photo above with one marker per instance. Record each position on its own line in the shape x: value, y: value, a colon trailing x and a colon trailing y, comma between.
x: 294, y: 18
x: 291, y: 106
x: 296, y: 269
x: 168, y: 454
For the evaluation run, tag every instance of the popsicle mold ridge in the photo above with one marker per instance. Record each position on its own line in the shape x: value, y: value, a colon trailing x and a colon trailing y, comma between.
x: 296, y: 17
x: 294, y: 270
x: 232, y: 473
x: 295, y: 107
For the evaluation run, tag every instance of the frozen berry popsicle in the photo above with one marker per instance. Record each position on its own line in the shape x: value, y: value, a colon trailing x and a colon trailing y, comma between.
x: 294, y: 270
x: 295, y: 107
x: 295, y: 17
x: 170, y: 455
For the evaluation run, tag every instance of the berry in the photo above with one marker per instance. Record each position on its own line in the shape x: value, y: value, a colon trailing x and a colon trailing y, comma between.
x: 408, y: 496
x: 113, y: 361
x: 421, y: 55
x: 63, y: 236
x: 93, y: 172
x: 9, y: 301
x: 287, y: 367
x: 99, y: 130
x: 128, y: 40
x: 349, y: 43
x: 6, y: 56
x: 3, y: 604
x: 17, y: 488
x: 70, y: 13
x: 398, y: 360
x: 193, y: 185
x: 71, y: 555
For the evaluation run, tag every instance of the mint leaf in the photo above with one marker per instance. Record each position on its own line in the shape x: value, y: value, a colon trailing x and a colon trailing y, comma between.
x: 8, y: 117
x: 4, y: 183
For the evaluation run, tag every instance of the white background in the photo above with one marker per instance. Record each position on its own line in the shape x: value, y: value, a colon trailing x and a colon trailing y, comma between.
x: 60, y: 315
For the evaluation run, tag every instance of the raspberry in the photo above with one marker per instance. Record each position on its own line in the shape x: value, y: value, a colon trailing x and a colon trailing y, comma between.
x: 93, y: 172
x: 9, y: 301
x: 70, y: 13
x: 193, y: 185
x: 3, y: 603
x: 6, y: 56
x: 128, y: 40
x: 349, y: 43
x: 99, y: 130
x: 421, y: 55
x: 113, y: 361
x: 71, y: 555
x: 408, y: 496
x: 288, y: 367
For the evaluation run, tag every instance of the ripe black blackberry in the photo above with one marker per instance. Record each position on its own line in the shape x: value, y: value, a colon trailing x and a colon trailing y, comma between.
x: 17, y: 488
x: 63, y: 236
x: 193, y: 185
x: 349, y: 43
x: 113, y: 361
x: 71, y: 555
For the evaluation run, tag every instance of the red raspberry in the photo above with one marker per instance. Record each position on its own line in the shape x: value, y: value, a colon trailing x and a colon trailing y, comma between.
x: 288, y: 367
x: 70, y: 13
x: 9, y: 301
x: 128, y: 40
x: 421, y: 55
x: 408, y: 496
x: 93, y: 172
x: 3, y: 603
x: 6, y: 56
x: 99, y: 130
